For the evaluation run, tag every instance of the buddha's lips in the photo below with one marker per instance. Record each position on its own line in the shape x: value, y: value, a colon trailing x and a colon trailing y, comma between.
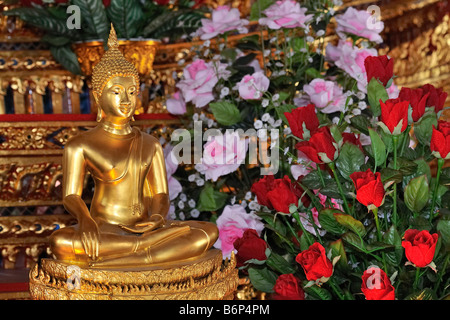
x: 125, y: 109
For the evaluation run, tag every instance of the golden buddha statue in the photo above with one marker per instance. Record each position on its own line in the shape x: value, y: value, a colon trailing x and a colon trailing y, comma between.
x: 126, y: 224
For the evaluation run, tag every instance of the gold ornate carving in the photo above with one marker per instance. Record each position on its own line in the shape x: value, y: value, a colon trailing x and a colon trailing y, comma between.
x: 140, y: 53
x: 28, y: 235
x: 205, y: 278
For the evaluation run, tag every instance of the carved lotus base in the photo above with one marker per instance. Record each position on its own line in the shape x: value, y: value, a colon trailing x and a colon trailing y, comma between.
x: 205, y: 278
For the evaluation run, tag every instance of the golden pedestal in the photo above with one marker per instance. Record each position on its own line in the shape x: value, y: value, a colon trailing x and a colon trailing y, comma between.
x: 205, y: 278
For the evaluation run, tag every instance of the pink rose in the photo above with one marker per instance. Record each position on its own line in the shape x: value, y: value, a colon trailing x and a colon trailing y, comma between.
x: 252, y: 87
x: 171, y: 166
x: 350, y: 59
x: 199, y: 79
x: 222, y: 155
x: 285, y: 14
x: 232, y: 223
x: 360, y: 23
x: 223, y: 19
x: 326, y: 95
x: 176, y: 104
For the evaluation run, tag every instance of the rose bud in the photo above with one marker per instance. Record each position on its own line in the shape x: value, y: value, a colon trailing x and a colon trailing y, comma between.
x: 249, y: 246
x: 321, y: 147
x: 381, y: 68
x: 303, y: 121
x: 369, y: 188
x: 440, y: 140
x: 394, y: 116
x: 420, y: 247
x: 287, y: 287
x: 315, y: 263
x: 376, y: 285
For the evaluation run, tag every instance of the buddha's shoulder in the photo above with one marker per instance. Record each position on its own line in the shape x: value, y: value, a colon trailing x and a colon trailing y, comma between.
x: 151, y: 141
x: 81, y: 139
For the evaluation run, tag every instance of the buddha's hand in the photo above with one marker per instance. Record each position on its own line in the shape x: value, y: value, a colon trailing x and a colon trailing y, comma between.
x: 154, y: 222
x: 90, y: 237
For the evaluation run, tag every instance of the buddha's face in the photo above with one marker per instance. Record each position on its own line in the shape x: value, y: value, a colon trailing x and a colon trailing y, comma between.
x: 118, y: 99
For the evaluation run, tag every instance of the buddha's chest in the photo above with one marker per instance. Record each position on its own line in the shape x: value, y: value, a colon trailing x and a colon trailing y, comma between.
x: 118, y: 160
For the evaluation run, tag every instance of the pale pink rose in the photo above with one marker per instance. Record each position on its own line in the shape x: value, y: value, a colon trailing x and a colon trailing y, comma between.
x: 252, y: 87
x: 359, y: 23
x: 326, y: 95
x: 350, y: 59
x: 223, y: 19
x: 171, y: 162
x: 285, y: 14
x: 232, y: 223
x: 222, y: 154
x: 176, y: 104
x: 393, y: 91
x: 199, y: 79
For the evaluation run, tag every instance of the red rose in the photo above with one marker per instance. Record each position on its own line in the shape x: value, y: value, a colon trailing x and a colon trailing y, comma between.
x: 162, y: 2
x: 381, y: 68
x: 282, y: 195
x: 321, y: 147
x: 417, y: 98
x: 440, y: 140
x: 260, y: 189
x: 376, y: 285
x: 106, y: 3
x: 436, y: 98
x: 249, y: 246
x: 394, y: 115
x: 315, y: 262
x: 369, y: 187
x: 419, y: 247
x: 303, y: 118
x: 287, y: 287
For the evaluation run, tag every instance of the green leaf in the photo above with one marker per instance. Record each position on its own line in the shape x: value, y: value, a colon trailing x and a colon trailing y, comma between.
x: 40, y: 18
x: 94, y: 17
x: 328, y: 221
x: 443, y: 227
x: 350, y: 223
x: 279, y: 264
x: 337, y: 249
x: 211, y: 200
x: 318, y: 292
x: 127, y: 16
x: 406, y: 167
x: 378, y: 148
x: 417, y: 193
x: 375, y: 92
x: 258, y: 7
x: 392, y: 237
x: 262, y: 279
x: 353, y: 239
x: 361, y: 123
x: 423, y: 129
x: 67, y: 58
x: 225, y: 113
x: 388, y: 174
x: 350, y: 160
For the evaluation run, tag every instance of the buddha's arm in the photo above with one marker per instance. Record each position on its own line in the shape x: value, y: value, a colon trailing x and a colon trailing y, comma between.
x: 157, y: 184
x: 73, y: 178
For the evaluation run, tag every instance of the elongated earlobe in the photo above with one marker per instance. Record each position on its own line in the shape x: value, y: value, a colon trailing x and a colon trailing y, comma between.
x: 99, y: 115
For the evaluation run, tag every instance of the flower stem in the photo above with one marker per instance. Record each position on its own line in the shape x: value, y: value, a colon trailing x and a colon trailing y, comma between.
x: 306, y: 233
x: 336, y: 289
x: 416, y: 280
x: 377, y: 223
x: 394, y: 215
x: 441, y: 273
x: 341, y: 191
x: 379, y: 238
x: 436, y: 186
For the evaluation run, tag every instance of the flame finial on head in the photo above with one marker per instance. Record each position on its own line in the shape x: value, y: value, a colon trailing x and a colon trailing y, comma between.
x: 112, y: 64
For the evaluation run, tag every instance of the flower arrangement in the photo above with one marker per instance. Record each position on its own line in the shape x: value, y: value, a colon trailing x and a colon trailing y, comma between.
x: 354, y: 205
x: 132, y: 19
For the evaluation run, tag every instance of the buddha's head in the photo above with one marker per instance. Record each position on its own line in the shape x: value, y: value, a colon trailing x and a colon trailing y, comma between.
x: 115, y: 84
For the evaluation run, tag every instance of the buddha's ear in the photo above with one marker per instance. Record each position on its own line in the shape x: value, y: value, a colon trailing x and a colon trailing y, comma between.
x: 96, y: 97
